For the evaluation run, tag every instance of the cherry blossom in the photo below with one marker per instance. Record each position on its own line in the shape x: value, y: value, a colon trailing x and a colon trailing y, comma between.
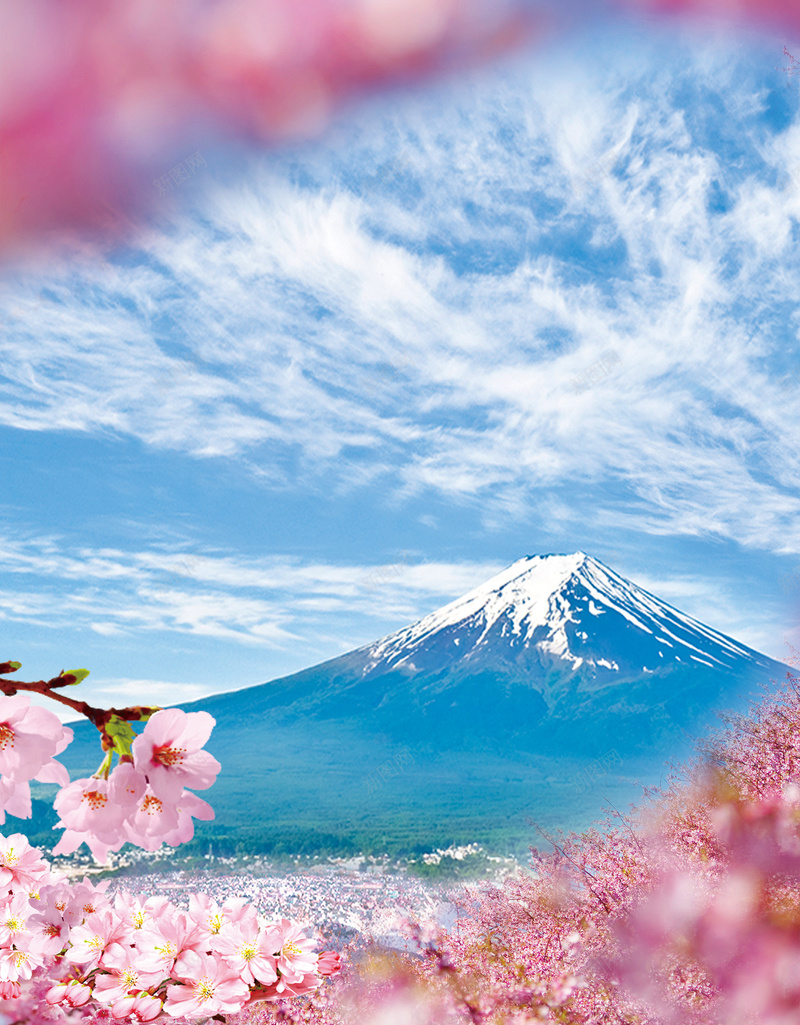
x: 329, y: 962
x: 88, y: 941
x: 209, y: 986
x: 166, y: 939
x: 140, y: 1007
x: 122, y: 974
x: 169, y: 752
x: 20, y: 864
x: 14, y: 915
x: 73, y: 993
x: 67, y: 954
x: 137, y: 912
x: 89, y: 806
x: 211, y: 916
x: 29, y: 738
x: 293, y: 949
x: 247, y: 950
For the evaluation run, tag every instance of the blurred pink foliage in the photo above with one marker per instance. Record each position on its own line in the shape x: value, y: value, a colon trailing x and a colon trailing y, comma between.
x: 100, y: 102
x: 98, y: 99
x: 767, y: 14
x: 685, y: 913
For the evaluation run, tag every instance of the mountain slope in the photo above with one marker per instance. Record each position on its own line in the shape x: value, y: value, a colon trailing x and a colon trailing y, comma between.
x: 559, y: 641
x: 554, y: 685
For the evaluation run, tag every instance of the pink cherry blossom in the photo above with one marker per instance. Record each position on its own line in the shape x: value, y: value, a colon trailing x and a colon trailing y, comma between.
x: 18, y: 964
x: 71, y: 840
x: 169, y: 752
x: 73, y: 993
x: 89, y: 940
x: 151, y: 819
x: 209, y: 987
x: 136, y: 912
x: 15, y: 798
x: 10, y: 990
x: 89, y: 806
x: 246, y: 949
x: 127, y: 785
x: 20, y: 864
x: 211, y: 916
x: 83, y: 898
x: 140, y: 1007
x: 122, y: 974
x: 190, y: 806
x: 329, y: 962
x: 14, y: 915
x: 293, y: 950
x: 51, y: 932
x: 29, y: 737
x: 162, y: 942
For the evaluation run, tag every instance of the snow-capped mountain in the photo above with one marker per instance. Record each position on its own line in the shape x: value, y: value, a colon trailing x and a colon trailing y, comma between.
x: 551, y: 686
x: 557, y: 652
x: 570, y: 609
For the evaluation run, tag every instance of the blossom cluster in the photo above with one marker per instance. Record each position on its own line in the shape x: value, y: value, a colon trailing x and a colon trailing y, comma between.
x: 136, y: 84
x: 66, y: 951
x: 687, y: 912
x: 144, y: 800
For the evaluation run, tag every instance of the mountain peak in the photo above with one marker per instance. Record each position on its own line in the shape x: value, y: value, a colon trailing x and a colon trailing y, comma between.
x: 554, y: 604
x: 496, y: 703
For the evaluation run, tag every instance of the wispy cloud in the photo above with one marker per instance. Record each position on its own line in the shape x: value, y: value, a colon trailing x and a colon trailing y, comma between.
x: 260, y: 329
x: 267, y: 602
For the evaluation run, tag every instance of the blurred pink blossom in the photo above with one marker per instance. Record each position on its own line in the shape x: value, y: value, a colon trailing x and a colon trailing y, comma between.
x: 101, y: 102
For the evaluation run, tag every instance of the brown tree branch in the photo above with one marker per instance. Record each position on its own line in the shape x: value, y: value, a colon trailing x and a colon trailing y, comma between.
x: 99, y: 717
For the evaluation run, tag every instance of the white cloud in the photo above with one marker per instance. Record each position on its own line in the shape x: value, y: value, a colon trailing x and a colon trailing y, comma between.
x: 267, y: 602
x: 383, y: 339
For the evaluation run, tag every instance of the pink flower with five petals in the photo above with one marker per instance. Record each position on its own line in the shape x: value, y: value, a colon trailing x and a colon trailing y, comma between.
x: 210, y: 987
x: 169, y: 752
x: 29, y: 737
x: 21, y: 865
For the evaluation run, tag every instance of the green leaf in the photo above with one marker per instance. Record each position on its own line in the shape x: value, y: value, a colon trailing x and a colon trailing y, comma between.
x: 9, y: 667
x: 121, y: 733
x: 74, y: 676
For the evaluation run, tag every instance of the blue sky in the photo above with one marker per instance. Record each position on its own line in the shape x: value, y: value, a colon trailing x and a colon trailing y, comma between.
x: 548, y: 306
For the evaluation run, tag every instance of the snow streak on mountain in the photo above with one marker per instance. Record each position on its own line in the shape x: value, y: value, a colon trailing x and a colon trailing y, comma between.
x: 569, y: 608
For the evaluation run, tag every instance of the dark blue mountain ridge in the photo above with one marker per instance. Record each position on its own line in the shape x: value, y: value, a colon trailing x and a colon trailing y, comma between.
x: 552, y: 686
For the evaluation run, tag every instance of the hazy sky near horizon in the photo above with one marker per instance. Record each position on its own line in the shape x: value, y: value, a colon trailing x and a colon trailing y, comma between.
x: 547, y: 306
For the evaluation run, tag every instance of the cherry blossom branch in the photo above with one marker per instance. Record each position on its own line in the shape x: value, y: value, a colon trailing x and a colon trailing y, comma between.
x: 794, y: 67
x: 99, y: 717
x: 581, y: 868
